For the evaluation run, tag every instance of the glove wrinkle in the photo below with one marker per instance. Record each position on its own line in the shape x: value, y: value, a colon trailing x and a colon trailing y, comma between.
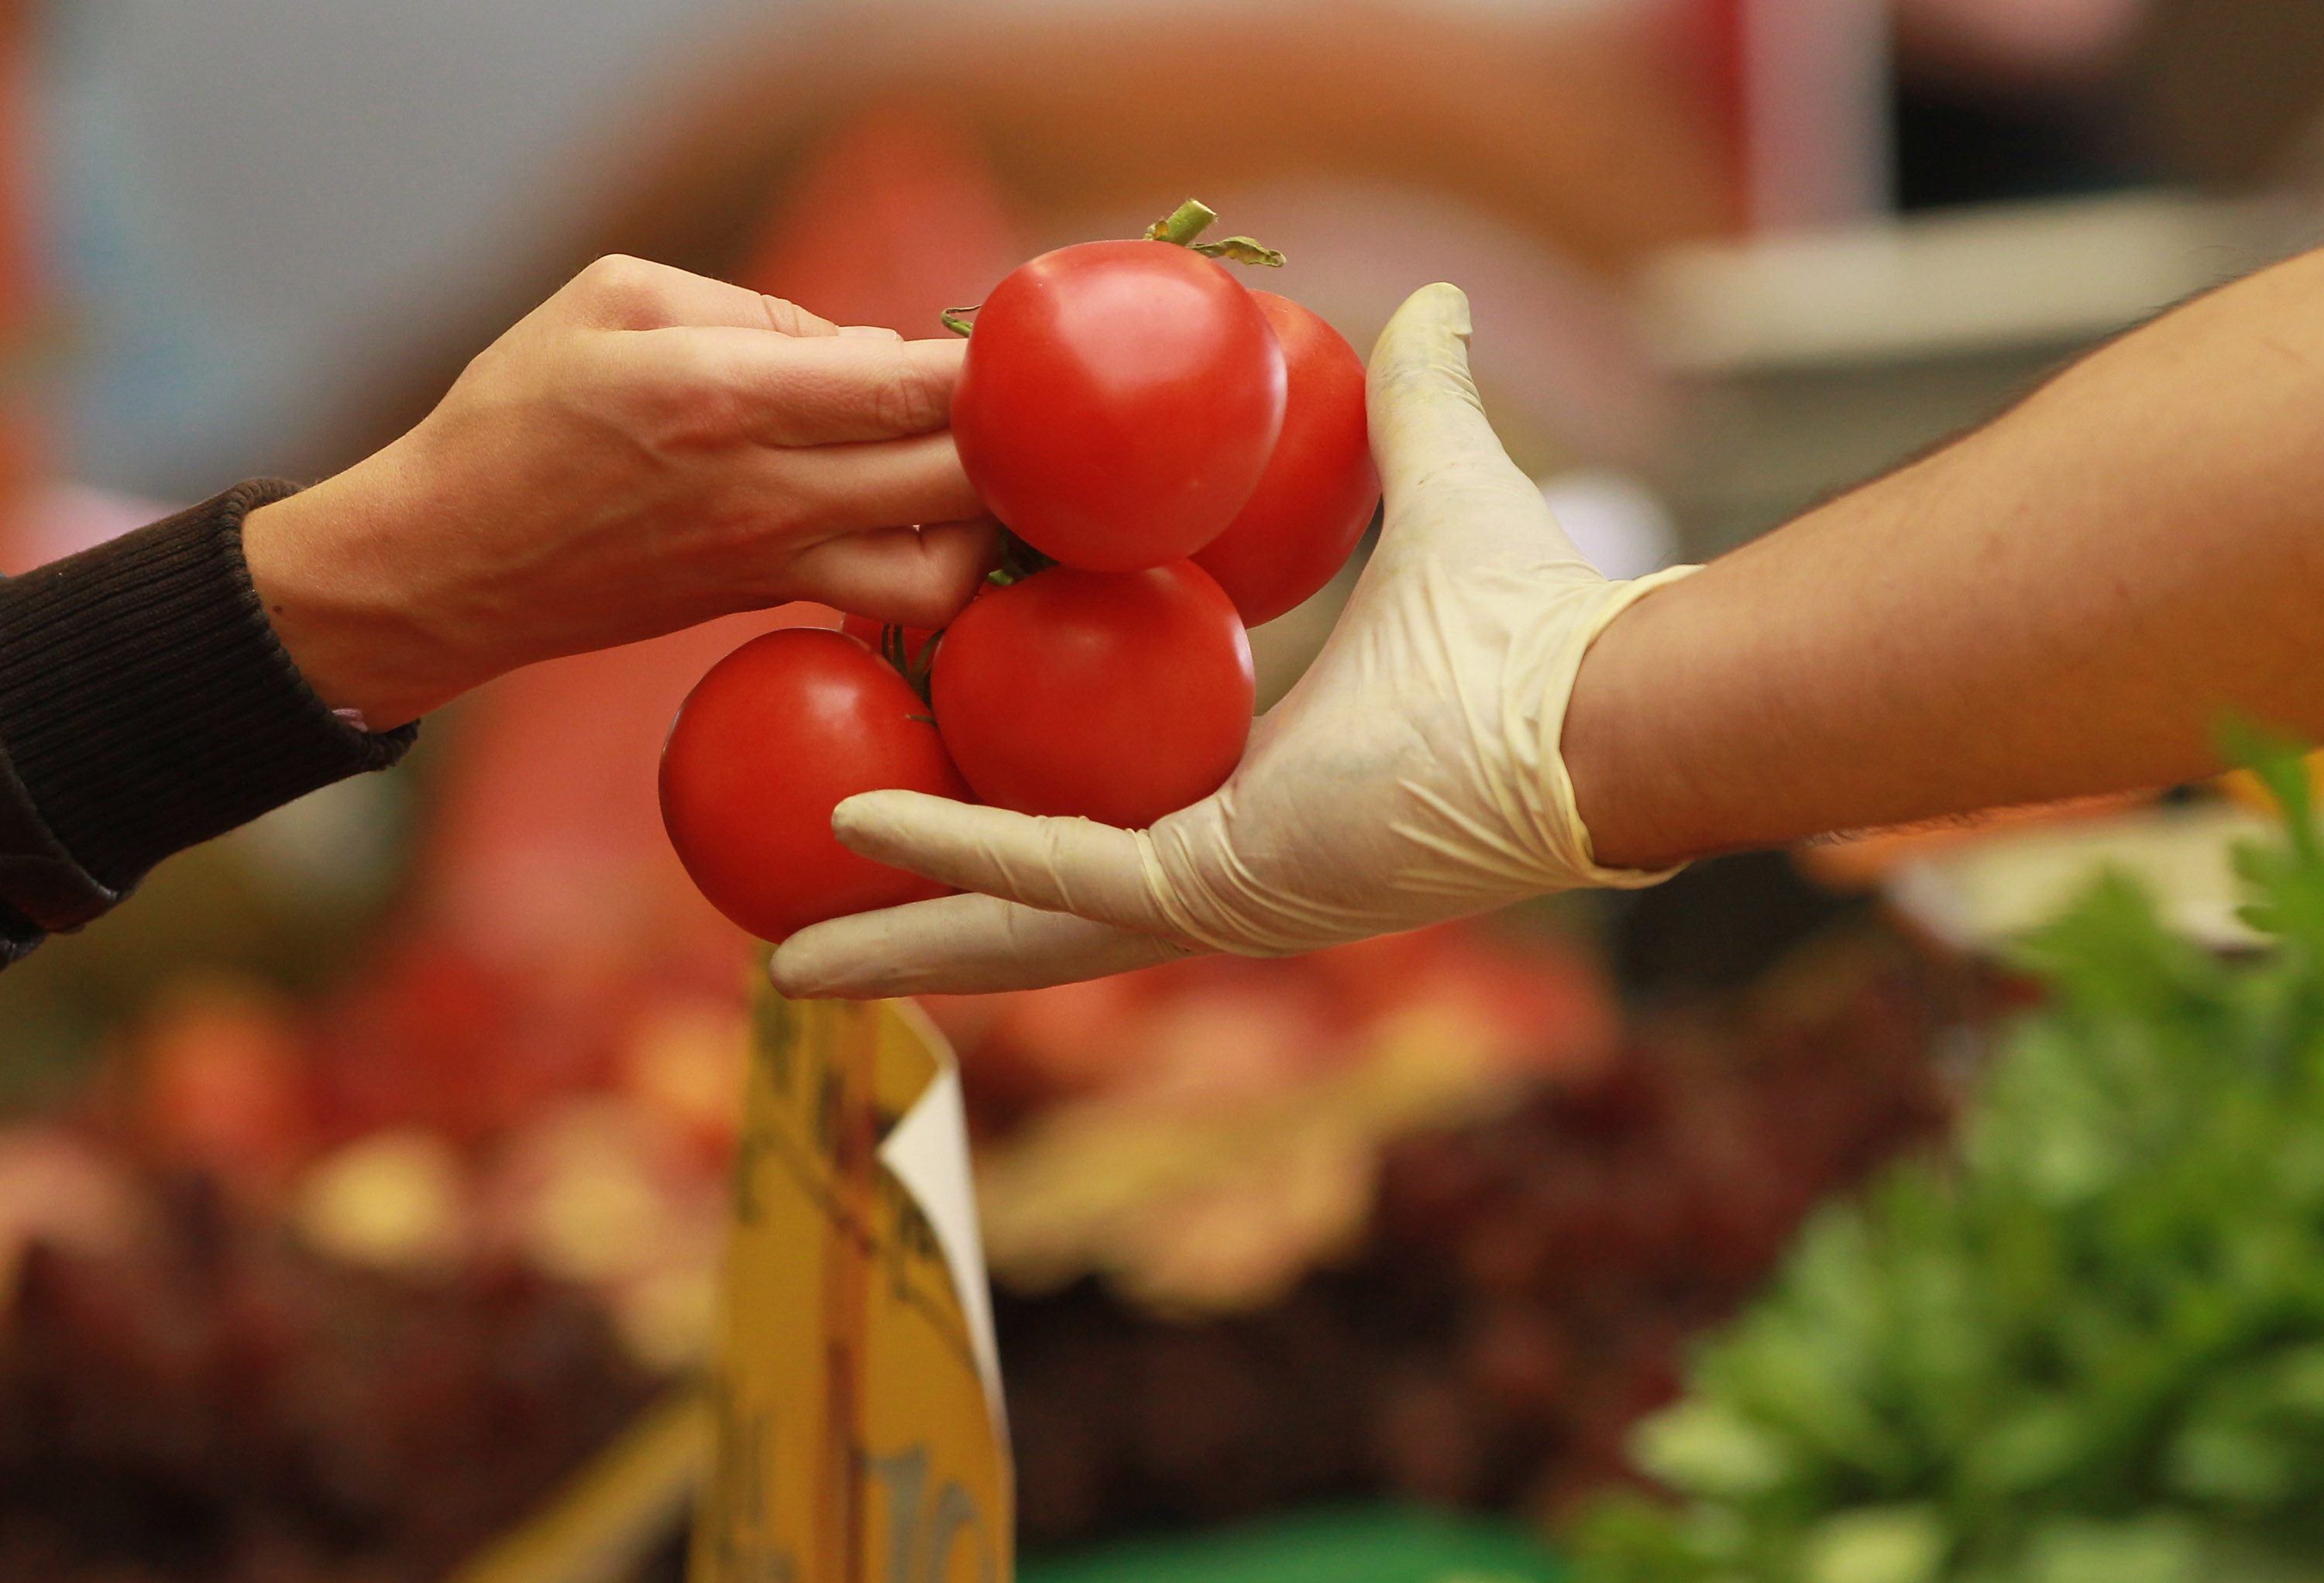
x: 1046, y: 881
x: 1171, y: 916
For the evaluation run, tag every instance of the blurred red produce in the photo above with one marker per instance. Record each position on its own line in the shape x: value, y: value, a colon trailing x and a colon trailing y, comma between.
x: 1528, y: 1278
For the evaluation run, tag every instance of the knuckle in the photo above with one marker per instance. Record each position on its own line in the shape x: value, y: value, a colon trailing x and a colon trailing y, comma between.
x: 623, y: 291
x: 669, y: 400
x: 785, y: 316
x: 903, y: 401
x: 694, y: 398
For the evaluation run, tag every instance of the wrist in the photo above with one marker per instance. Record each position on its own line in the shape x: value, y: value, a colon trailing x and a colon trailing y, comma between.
x: 1628, y: 789
x: 333, y: 573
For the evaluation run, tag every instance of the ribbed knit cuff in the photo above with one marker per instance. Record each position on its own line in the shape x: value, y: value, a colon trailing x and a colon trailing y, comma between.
x: 146, y: 704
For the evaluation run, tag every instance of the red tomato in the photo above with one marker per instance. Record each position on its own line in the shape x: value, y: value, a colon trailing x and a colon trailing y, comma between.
x: 1116, y: 696
x: 1316, y: 496
x: 1118, y: 403
x: 766, y: 745
x: 867, y: 631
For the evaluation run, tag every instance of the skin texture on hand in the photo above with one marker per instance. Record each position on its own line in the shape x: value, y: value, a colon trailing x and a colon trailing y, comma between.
x: 1410, y: 777
x: 2069, y: 601
x: 647, y: 450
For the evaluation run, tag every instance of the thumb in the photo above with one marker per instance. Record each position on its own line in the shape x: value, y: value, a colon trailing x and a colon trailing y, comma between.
x: 1429, y: 430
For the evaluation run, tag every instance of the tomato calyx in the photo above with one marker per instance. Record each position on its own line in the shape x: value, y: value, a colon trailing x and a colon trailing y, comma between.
x: 1189, y: 220
x: 1019, y: 561
x: 1180, y: 227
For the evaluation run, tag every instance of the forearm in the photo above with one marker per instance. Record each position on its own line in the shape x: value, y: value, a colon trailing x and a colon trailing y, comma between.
x: 2069, y: 601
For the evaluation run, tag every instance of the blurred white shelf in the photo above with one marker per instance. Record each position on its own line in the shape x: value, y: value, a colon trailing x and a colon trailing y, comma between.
x: 1982, y: 896
x: 1954, y: 283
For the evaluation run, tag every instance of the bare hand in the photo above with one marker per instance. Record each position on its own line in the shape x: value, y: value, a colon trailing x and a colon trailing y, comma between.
x: 645, y: 450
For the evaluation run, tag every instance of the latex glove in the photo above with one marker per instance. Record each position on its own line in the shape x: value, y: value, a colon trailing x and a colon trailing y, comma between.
x: 1412, y: 776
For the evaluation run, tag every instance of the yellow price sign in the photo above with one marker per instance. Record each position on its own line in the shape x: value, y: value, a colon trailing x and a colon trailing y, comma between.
x: 859, y: 1427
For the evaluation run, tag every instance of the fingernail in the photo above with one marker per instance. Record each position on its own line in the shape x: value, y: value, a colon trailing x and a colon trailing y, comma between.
x: 870, y: 332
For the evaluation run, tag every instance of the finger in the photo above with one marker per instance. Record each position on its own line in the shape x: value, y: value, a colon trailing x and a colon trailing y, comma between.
x: 965, y: 944
x: 618, y: 292
x: 830, y: 490
x: 913, y: 576
x: 813, y: 391
x: 1058, y: 865
x: 871, y: 332
x: 1429, y: 426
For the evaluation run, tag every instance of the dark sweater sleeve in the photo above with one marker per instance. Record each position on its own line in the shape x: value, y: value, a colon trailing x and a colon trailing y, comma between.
x: 146, y: 706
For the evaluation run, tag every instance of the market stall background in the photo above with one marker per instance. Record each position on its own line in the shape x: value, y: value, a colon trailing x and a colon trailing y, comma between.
x: 365, y: 1176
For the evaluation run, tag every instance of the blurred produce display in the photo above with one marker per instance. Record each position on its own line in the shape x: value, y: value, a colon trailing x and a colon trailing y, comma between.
x: 341, y: 1290
x: 2091, y: 1348
x: 1204, y: 1133
x: 1452, y: 1252
x: 204, y: 1399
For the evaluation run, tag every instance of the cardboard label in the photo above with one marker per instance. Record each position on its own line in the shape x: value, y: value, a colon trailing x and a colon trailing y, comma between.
x: 859, y: 1433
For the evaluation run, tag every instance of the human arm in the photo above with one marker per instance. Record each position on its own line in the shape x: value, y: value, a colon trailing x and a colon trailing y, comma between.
x: 2069, y: 600
x: 647, y: 450
x: 2066, y: 602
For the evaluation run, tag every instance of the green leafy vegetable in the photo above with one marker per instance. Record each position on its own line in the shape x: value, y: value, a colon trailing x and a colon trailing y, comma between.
x: 2090, y: 1349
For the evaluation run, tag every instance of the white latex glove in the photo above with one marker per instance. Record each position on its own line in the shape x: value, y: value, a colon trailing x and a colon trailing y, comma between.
x: 1412, y: 776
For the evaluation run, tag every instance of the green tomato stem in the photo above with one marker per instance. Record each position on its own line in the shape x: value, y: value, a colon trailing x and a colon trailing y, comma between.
x: 896, y: 648
x: 1183, y: 225
x: 1190, y: 219
x: 1019, y: 561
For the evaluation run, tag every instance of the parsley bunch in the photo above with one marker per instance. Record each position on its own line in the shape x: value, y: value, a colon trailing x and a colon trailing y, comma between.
x: 2088, y: 1349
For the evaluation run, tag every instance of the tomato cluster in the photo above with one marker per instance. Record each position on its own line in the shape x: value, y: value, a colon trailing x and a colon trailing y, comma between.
x: 1176, y: 457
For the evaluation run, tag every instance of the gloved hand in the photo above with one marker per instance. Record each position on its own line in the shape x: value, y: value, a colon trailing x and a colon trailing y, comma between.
x: 1412, y: 776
